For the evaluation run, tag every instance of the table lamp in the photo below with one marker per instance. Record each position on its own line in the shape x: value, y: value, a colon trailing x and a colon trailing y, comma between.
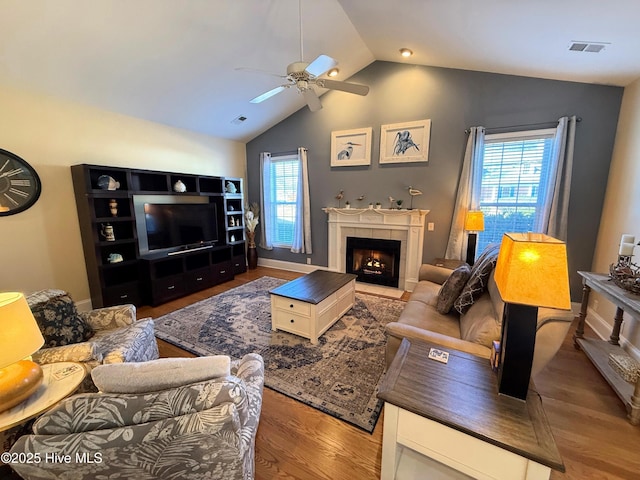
x: 531, y: 272
x: 19, y: 338
x: 473, y: 223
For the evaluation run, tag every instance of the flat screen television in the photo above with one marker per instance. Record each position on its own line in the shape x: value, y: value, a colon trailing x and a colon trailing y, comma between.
x: 180, y: 224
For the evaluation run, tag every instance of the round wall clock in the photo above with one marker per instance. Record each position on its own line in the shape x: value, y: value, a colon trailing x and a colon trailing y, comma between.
x: 20, y: 185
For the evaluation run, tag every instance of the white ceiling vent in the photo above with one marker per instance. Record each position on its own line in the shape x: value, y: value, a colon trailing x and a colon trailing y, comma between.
x: 593, y: 47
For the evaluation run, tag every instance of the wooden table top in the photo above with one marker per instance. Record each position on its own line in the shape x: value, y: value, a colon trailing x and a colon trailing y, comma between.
x: 313, y: 287
x: 463, y: 394
x: 601, y: 283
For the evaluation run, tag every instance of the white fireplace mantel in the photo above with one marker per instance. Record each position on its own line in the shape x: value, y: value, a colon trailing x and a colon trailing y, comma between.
x: 407, y: 226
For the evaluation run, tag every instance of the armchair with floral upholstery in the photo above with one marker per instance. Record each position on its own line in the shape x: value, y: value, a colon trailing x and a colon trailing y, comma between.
x: 182, y: 418
x: 104, y: 335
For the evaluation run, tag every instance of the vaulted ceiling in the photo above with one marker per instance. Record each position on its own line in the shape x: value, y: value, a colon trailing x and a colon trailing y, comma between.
x: 176, y: 62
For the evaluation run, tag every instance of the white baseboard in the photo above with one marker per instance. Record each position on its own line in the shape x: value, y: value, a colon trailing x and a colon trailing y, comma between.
x: 84, y: 305
x: 603, y: 329
x: 291, y: 266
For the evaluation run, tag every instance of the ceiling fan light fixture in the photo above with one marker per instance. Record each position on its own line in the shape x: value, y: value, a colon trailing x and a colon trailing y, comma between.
x: 333, y: 72
x: 405, y: 52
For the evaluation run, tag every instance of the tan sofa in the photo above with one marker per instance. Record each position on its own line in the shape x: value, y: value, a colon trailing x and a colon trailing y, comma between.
x: 474, y: 331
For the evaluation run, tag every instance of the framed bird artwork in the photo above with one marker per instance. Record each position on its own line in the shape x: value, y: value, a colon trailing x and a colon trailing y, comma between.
x: 351, y: 147
x: 406, y: 142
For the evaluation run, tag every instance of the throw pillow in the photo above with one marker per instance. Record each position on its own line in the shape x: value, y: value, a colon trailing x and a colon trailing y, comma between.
x: 58, y: 319
x: 478, y: 279
x: 452, y: 288
x: 161, y: 374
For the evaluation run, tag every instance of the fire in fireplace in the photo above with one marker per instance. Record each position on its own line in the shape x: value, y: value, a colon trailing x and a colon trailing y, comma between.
x: 374, y: 260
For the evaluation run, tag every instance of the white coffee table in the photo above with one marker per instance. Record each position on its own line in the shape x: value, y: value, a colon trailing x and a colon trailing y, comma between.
x: 309, y: 305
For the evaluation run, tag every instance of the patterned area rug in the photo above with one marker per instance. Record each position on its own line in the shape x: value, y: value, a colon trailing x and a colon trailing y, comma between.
x: 338, y: 376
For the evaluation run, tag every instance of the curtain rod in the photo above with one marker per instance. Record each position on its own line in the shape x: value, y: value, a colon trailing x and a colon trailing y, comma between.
x: 282, y: 154
x: 539, y: 125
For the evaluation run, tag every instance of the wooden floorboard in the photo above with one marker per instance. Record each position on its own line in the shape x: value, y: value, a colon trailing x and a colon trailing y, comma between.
x: 295, y: 441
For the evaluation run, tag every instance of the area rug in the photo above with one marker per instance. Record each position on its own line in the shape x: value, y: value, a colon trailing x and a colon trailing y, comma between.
x: 338, y: 376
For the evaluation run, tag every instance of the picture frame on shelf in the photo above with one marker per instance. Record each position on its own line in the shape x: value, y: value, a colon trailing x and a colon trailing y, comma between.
x: 405, y: 142
x: 351, y: 147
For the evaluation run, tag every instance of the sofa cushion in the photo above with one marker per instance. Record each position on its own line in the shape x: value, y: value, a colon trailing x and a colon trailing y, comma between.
x: 477, y: 283
x: 58, y: 318
x: 426, y: 292
x: 496, y: 299
x: 480, y: 324
x: 452, y: 288
x: 425, y: 317
x: 161, y: 374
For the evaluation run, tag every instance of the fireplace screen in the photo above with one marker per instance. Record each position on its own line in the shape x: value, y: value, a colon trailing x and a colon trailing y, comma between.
x: 374, y: 260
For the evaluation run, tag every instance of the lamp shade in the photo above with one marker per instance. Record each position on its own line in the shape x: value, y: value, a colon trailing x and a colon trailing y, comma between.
x: 532, y: 270
x: 19, y: 333
x: 474, y: 221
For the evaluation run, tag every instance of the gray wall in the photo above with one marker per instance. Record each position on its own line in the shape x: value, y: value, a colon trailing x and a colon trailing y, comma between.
x: 454, y: 100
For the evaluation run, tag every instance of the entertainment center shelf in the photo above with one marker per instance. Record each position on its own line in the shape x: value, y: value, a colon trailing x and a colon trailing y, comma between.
x: 172, y: 276
x: 111, y: 204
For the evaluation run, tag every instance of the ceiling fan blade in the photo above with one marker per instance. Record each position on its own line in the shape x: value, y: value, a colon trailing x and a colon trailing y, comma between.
x: 269, y: 94
x: 257, y: 70
x: 343, y: 86
x: 312, y: 99
x: 320, y: 65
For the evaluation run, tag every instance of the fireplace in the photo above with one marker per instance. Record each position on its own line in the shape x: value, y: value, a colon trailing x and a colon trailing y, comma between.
x: 405, y: 226
x: 374, y: 260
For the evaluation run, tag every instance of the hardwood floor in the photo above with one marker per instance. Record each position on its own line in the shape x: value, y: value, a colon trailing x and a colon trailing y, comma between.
x: 295, y: 441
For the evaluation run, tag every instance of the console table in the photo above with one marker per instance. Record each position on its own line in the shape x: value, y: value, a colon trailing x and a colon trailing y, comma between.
x: 448, y: 419
x: 598, y: 350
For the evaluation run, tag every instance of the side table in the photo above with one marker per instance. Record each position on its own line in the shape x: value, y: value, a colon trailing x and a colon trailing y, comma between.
x: 447, y: 263
x: 60, y: 380
x: 598, y: 351
x: 448, y: 419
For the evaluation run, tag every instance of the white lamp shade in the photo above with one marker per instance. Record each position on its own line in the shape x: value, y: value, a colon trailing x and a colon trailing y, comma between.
x: 532, y: 270
x: 19, y: 332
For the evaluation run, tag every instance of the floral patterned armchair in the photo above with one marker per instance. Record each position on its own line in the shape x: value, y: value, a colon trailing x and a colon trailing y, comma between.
x: 103, y: 335
x: 201, y: 430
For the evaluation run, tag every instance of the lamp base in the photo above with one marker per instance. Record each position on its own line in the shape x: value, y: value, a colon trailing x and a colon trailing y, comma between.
x: 519, y: 324
x: 18, y: 382
x: 471, y: 248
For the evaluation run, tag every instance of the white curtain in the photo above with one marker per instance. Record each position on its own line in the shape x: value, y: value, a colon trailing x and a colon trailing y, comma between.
x: 468, y: 194
x: 266, y: 241
x: 302, y: 229
x: 556, y: 210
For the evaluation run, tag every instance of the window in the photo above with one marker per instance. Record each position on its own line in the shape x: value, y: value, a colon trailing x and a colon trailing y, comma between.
x: 283, y: 178
x: 514, y: 185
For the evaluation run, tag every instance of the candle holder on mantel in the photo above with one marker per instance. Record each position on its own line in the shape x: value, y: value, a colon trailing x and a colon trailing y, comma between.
x: 625, y: 273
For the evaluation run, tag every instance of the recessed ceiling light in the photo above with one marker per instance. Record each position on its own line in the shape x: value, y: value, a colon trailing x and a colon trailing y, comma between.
x: 333, y: 72
x: 405, y: 52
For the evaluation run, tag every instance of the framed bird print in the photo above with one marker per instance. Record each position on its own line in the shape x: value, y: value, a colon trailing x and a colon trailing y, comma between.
x: 351, y: 147
x: 405, y: 142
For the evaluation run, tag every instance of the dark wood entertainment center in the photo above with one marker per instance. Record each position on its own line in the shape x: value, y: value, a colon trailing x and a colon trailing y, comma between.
x: 153, y: 277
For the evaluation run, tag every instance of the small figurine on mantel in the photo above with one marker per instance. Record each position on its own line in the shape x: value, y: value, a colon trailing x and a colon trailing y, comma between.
x: 339, y: 197
x: 414, y: 192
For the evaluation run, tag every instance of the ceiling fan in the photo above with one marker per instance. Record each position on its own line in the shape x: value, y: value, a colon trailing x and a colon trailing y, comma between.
x: 303, y: 76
